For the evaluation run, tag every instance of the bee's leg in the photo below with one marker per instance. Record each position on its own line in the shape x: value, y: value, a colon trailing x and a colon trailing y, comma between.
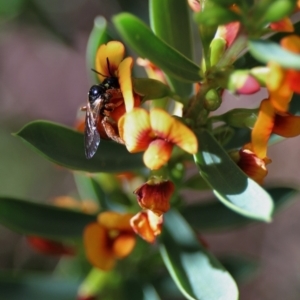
x: 111, y: 130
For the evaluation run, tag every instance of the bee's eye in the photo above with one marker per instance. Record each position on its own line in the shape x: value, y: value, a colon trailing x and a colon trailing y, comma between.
x: 111, y: 82
x: 95, y: 92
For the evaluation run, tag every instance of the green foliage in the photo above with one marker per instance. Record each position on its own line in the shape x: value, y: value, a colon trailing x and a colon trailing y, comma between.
x: 180, y: 254
x: 43, y: 220
x: 64, y: 147
x: 230, y: 184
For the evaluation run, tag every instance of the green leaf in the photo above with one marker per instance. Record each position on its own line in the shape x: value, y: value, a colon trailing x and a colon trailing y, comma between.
x: 89, y: 188
x: 147, y: 45
x: 43, y: 220
x: 64, y: 146
x: 98, y: 36
x: 230, y: 184
x: 151, y: 89
x: 266, y: 51
x: 196, y: 272
x: 36, y: 287
x: 170, y: 21
x: 214, y: 216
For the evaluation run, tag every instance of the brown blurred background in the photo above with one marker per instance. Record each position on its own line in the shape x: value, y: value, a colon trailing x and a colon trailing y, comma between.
x: 43, y: 75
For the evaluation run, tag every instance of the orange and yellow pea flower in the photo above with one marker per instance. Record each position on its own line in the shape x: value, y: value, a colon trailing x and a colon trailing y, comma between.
x: 281, y: 82
x: 110, y: 62
x: 155, y: 195
x: 147, y: 225
x: 155, y: 132
x: 109, y: 239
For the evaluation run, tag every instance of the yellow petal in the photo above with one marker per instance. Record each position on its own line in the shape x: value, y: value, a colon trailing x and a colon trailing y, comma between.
x: 147, y: 225
x: 113, y: 52
x: 114, y: 220
x: 125, y: 81
x: 157, y: 154
x: 173, y: 131
x: 97, y: 249
x: 262, y: 129
x: 135, y: 130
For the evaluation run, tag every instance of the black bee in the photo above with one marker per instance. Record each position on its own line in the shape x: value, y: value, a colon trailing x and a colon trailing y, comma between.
x: 98, y: 109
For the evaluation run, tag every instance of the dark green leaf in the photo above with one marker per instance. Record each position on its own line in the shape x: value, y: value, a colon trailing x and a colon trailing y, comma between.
x: 144, y: 42
x: 36, y: 287
x: 64, y: 146
x: 230, y: 184
x: 170, y: 21
x: 98, y: 36
x: 213, y: 215
x: 266, y: 51
x: 196, y: 272
x: 151, y: 89
x: 42, y: 220
x: 89, y: 188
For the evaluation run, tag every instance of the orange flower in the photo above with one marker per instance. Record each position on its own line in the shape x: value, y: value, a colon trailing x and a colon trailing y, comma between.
x: 284, y: 25
x: 155, y: 133
x: 110, y: 62
x: 109, y: 239
x: 281, y: 83
x: 155, y: 195
x: 147, y: 225
x: 252, y: 165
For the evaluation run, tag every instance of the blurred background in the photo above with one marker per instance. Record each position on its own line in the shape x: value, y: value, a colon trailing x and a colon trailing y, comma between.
x: 43, y: 75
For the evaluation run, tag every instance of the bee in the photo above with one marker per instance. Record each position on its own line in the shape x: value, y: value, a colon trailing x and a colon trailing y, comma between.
x: 98, y: 109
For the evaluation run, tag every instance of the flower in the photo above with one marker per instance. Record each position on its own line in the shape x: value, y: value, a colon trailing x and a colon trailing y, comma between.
x: 252, y: 165
x: 109, y: 239
x: 49, y: 247
x: 155, y: 195
x: 110, y: 62
x: 281, y: 82
x: 155, y: 133
x: 147, y: 225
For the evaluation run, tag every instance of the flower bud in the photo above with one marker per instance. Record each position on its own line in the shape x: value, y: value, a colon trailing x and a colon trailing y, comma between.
x: 243, y: 83
x: 155, y: 195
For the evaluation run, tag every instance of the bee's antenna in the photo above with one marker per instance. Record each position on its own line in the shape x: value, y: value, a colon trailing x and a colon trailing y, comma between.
x: 108, y: 66
x: 99, y: 73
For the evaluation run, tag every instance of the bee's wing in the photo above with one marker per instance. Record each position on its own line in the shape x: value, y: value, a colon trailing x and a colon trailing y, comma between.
x: 91, y: 134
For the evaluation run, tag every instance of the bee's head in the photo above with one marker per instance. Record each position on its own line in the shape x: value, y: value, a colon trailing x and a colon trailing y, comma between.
x: 95, y: 92
x: 111, y: 82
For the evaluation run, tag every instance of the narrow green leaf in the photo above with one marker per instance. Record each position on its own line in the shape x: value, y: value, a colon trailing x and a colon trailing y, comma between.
x: 214, y: 216
x: 151, y: 89
x: 170, y: 21
x: 98, y: 36
x: 266, y: 51
x: 36, y: 287
x: 89, y: 188
x: 196, y: 272
x: 43, y: 220
x: 230, y: 184
x: 64, y: 146
x: 144, y: 42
